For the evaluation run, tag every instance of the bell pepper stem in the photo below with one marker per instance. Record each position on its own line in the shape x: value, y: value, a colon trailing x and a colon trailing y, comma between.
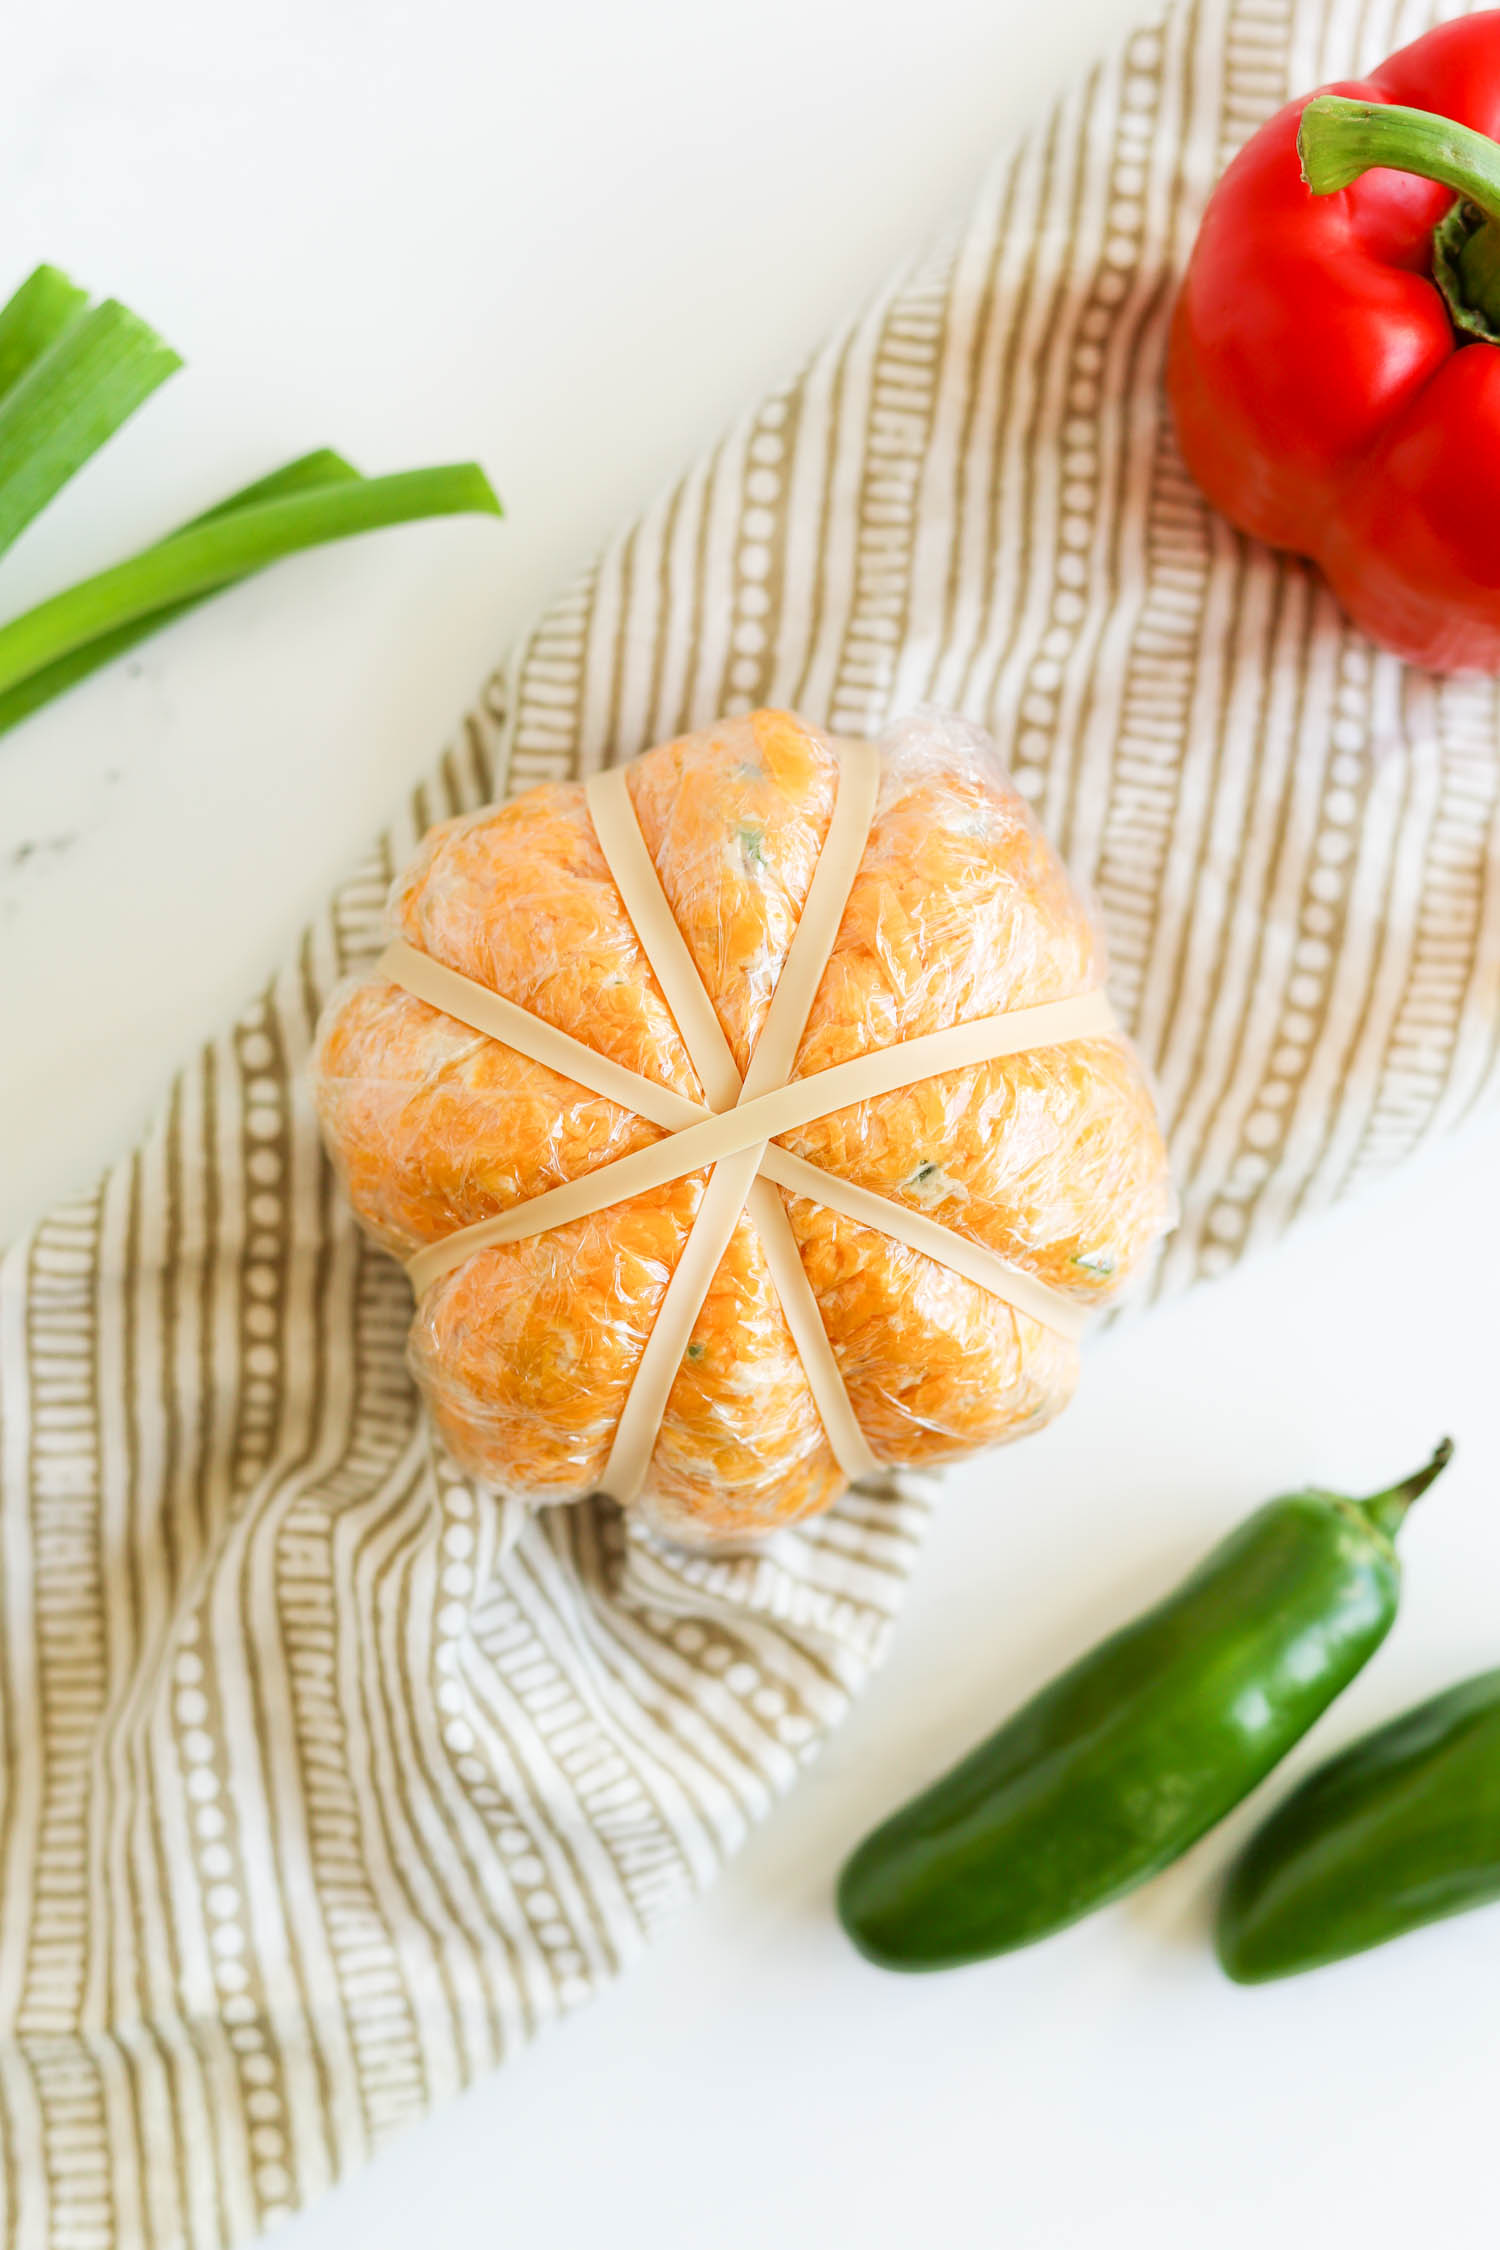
x: 1339, y: 140
x: 1387, y: 1510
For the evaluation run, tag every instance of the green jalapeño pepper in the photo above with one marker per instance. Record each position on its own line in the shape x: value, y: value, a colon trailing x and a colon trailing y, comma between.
x: 1121, y: 1763
x: 1399, y: 1829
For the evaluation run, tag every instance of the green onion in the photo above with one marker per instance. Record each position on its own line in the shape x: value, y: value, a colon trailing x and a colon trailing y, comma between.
x: 72, y: 398
x: 209, y: 554
x: 37, y: 688
x: 70, y: 375
x: 36, y: 316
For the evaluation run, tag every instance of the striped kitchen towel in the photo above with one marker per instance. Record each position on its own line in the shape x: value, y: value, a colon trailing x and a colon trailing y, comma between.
x: 324, y: 1779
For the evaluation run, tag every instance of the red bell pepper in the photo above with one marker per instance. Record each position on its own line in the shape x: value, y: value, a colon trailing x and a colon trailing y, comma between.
x: 1334, y: 367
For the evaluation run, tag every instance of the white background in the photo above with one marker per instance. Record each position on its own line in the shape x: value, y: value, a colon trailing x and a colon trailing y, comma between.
x: 573, y: 239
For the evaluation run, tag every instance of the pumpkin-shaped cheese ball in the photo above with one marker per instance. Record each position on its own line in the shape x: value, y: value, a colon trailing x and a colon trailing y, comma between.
x: 1039, y: 1171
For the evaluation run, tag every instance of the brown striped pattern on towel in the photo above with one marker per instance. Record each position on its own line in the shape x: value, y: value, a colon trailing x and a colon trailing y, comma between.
x: 323, y: 1780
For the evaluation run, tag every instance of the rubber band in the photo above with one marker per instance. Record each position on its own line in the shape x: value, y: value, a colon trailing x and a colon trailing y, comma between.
x: 944, y: 1245
x: 640, y: 1421
x: 490, y: 1012
x: 775, y: 1054
x: 825, y: 1378
x: 665, y: 948
x: 714, y: 1136
x: 639, y: 886
x: 736, y: 1138
x: 476, y: 1005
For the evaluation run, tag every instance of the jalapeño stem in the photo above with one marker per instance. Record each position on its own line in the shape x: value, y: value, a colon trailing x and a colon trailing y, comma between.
x: 1387, y: 1510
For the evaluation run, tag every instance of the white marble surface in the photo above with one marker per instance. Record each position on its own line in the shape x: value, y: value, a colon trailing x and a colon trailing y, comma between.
x: 572, y: 240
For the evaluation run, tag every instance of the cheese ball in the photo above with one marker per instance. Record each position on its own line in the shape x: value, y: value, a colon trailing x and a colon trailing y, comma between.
x: 1052, y: 1158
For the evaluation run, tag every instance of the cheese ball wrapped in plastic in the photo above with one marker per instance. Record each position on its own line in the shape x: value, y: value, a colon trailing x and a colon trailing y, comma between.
x: 1046, y: 1163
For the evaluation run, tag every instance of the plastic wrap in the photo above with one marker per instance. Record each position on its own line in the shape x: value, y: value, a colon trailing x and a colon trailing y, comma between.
x: 1051, y: 1158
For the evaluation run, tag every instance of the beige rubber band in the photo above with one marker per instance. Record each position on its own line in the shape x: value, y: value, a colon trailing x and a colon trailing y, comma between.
x: 818, y: 926
x: 483, y: 1010
x: 825, y: 1378
x: 640, y: 1420
x: 773, y: 1059
x: 945, y: 1245
x: 713, y: 1138
x: 736, y: 1138
x: 529, y: 1035
x: 733, y: 1178
x: 476, y: 1005
x: 665, y: 948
